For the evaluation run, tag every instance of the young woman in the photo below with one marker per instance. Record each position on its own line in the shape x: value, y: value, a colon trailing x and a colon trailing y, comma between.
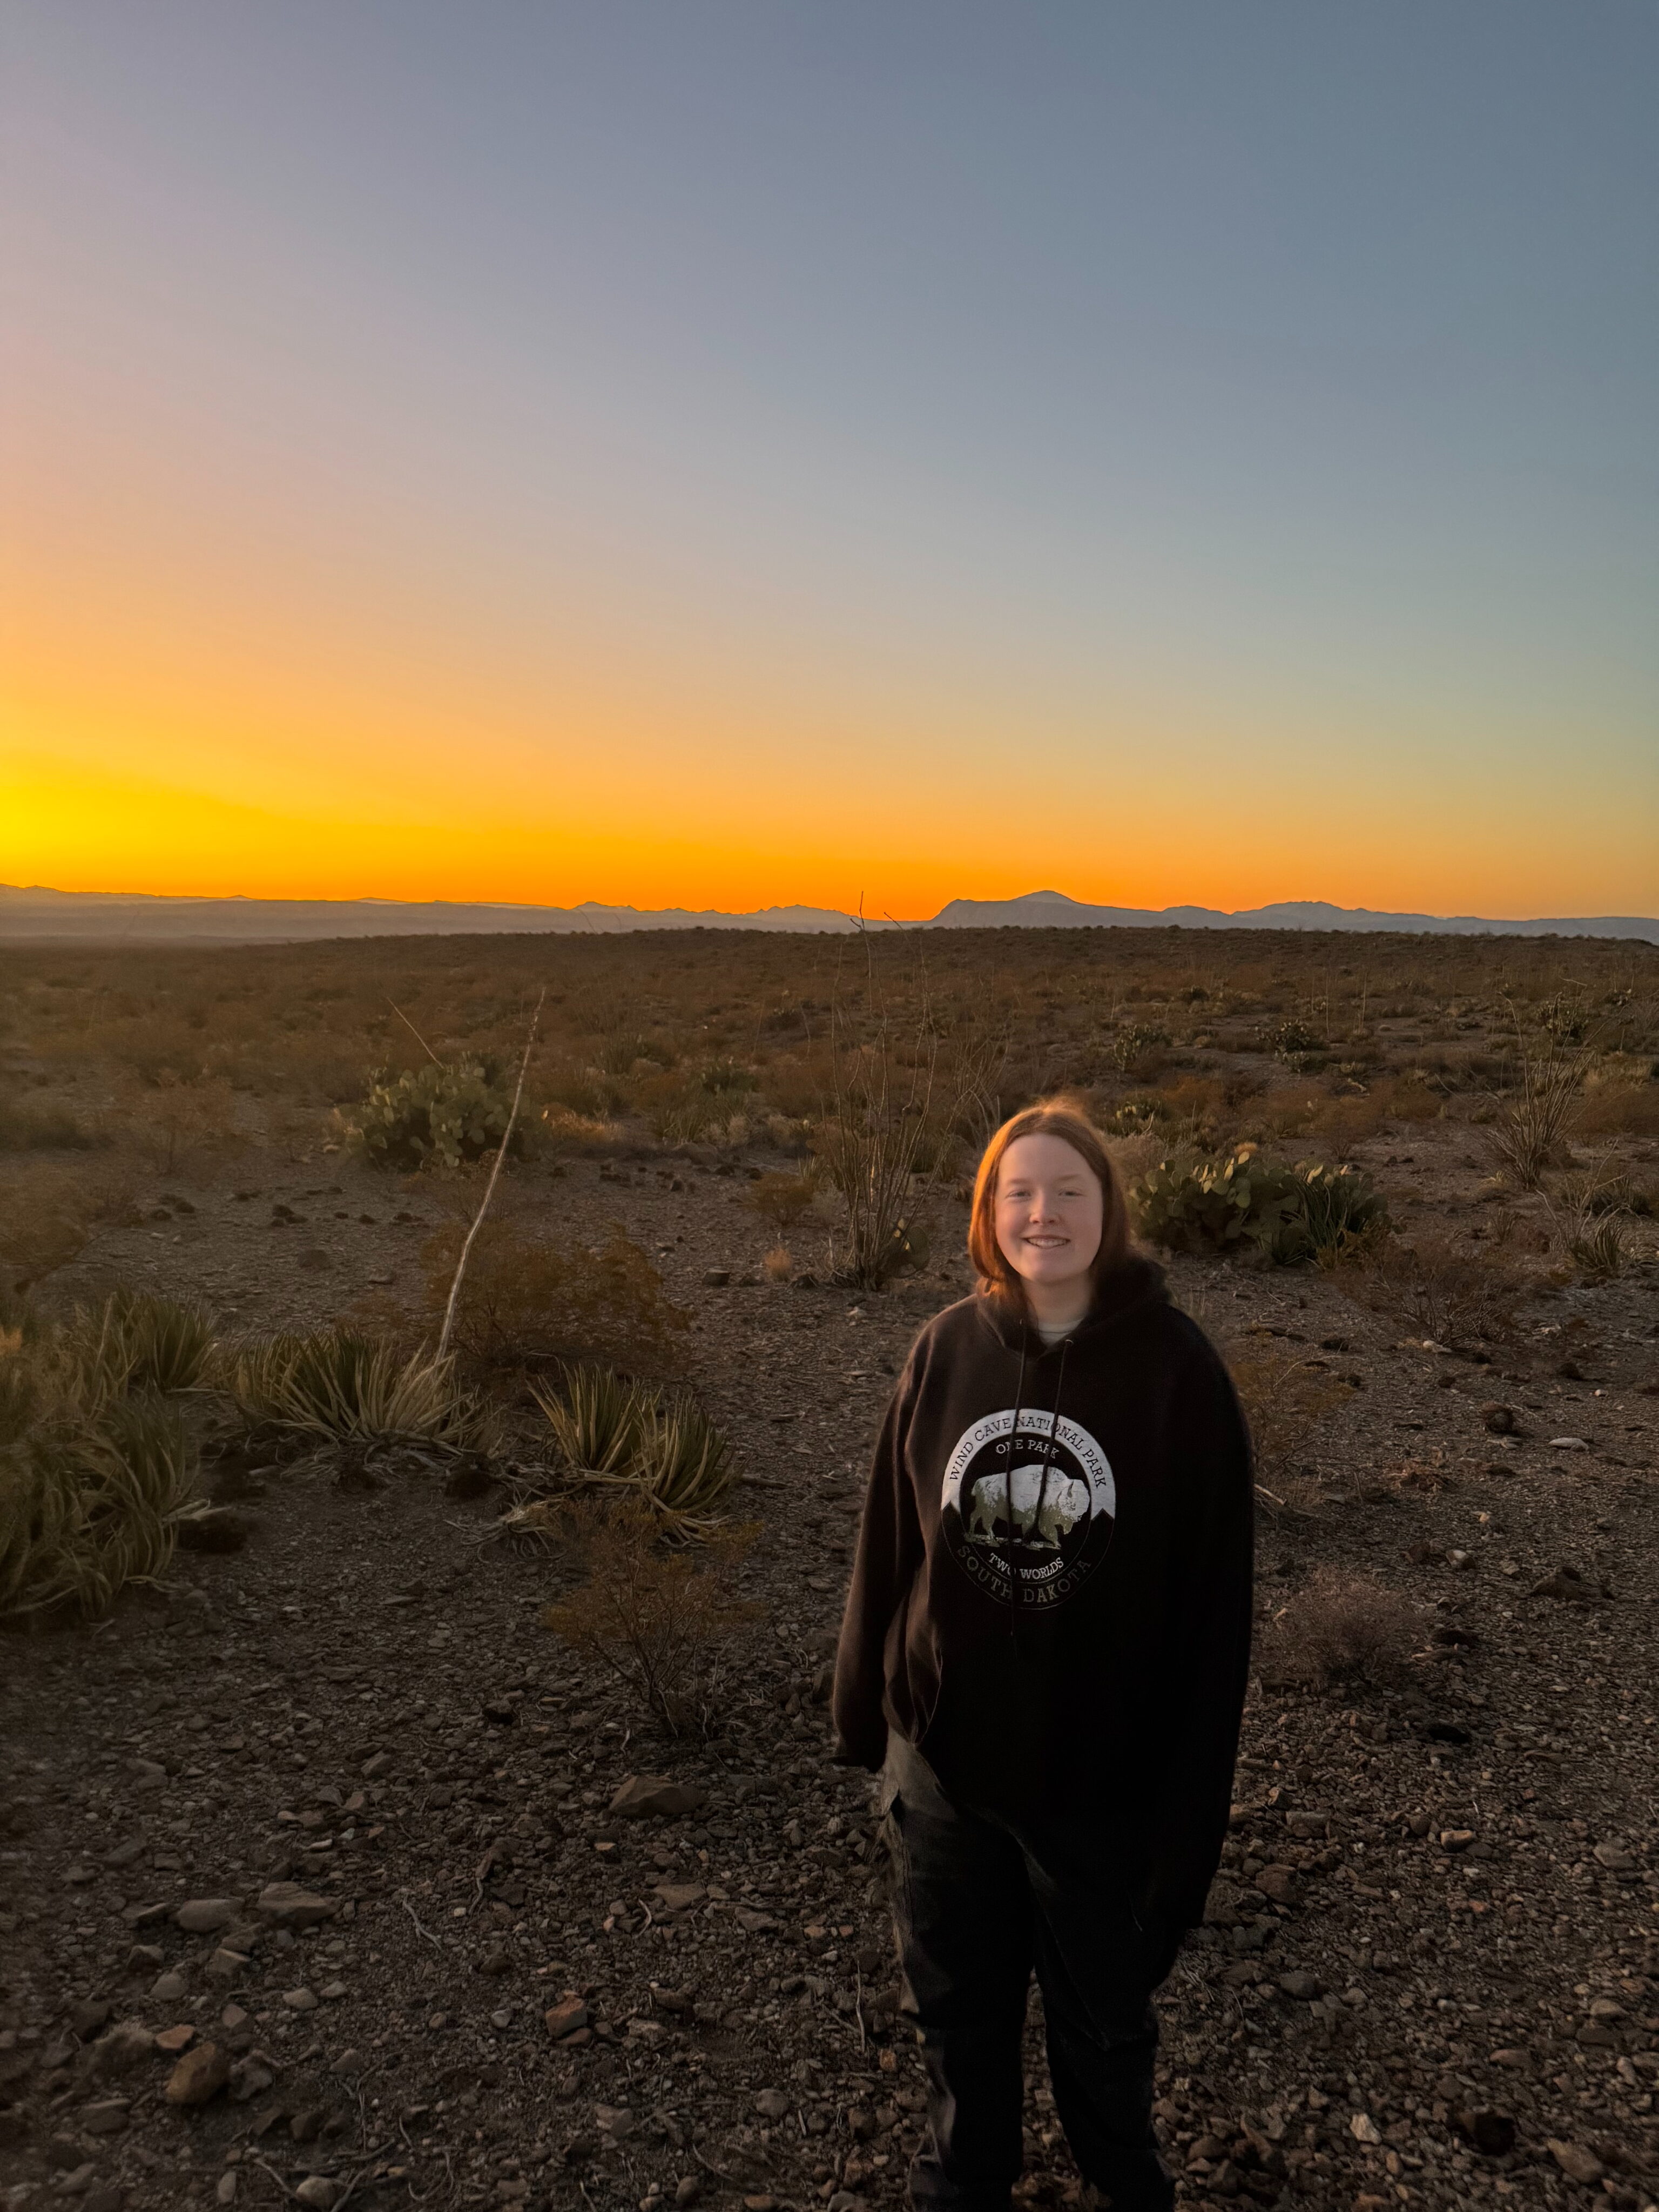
x: 1044, y: 1654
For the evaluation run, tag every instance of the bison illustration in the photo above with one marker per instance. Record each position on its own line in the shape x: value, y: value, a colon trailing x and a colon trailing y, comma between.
x: 1064, y: 1503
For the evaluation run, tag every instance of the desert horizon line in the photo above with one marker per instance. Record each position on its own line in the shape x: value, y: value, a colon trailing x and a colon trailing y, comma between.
x: 29, y: 909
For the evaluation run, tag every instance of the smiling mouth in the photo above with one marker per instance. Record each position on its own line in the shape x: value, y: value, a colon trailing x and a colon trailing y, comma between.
x: 1049, y: 1243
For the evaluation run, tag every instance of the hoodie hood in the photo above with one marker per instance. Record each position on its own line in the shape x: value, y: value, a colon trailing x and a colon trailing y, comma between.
x: 1123, y: 1292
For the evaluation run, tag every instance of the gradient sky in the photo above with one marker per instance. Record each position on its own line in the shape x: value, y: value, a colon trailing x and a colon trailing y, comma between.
x: 726, y: 454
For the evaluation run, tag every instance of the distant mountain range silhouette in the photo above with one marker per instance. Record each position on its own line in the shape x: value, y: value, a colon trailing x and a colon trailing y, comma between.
x: 104, y: 917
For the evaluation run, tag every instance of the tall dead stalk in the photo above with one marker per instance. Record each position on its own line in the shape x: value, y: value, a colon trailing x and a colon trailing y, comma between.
x: 448, y: 1330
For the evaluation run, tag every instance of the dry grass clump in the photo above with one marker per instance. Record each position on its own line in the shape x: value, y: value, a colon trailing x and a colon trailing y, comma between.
x: 1339, y: 1628
x: 352, y: 1389
x: 1286, y: 1398
x: 1437, y: 1286
x: 25, y: 1128
x: 136, y: 1341
x: 668, y: 1624
x: 778, y: 1264
x: 527, y: 1299
x: 615, y: 1434
x: 94, y: 1481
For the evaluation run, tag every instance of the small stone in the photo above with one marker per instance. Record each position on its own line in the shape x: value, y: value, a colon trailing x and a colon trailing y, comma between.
x: 772, y: 2104
x: 299, y: 1999
x: 226, y: 1965
x: 205, y: 1916
x: 1300, y: 1983
x: 287, y: 1905
x: 1456, y: 1840
x: 200, y: 2074
x: 1616, y: 1859
x: 249, y: 2078
x: 1567, y: 1583
x: 145, y: 1959
x: 106, y: 2117
x: 173, y: 2040
x: 616, y: 2121
x: 331, y: 1992
x: 1363, y: 2129
x: 716, y: 1278
x: 128, y: 2044
x: 687, y: 2189
x: 373, y: 1767
x: 679, y: 1897
x: 169, y: 1988
x: 1278, y: 1884
x: 232, y: 2017
x: 318, y: 2191
x: 224, y: 2189
x: 565, y: 2017
x: 1576, y: 2160
x: 216, y: 1528
x: 642, y: 1796
x: 1569, y: 1443
x: 1498, y: 1420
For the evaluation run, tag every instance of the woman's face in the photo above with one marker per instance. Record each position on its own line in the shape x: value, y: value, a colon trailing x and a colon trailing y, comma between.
x: 1049, y: 1212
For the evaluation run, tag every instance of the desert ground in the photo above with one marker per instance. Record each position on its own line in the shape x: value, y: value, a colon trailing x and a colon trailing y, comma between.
x: 333, y: 1872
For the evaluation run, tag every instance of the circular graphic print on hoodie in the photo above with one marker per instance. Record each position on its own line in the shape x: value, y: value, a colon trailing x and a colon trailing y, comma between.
x: 1028, y: 1517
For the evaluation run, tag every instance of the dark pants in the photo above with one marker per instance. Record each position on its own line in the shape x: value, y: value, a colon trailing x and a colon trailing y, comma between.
x: 981, y: 1899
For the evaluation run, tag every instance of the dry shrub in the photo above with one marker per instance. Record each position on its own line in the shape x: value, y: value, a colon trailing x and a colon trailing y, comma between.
x: 784, y: 1200
x: 528, y: 1298
x: 667, y: 1624
x: 564, y: 1130
x: 1428, y: 1475
x: 353, y: 1390
x: 45, y: 1213
x: 1622, y: 1105
x: 1286, y: 1398
x: 779, y: 1265
x: 171, y: 1121
x: 1339, y: 1628
x: 27, y: 1128
x: 1437, y: 1286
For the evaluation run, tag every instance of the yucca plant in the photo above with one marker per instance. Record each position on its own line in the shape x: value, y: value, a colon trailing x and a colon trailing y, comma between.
x: 92, y: 1486
x: 136, y: 1341
x: 339, y: 1384
x: 596, y: 1425
x: 617, y: 1434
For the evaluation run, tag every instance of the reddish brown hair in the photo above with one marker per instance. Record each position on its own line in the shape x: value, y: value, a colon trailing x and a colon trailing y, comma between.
x: 1050, y: 1117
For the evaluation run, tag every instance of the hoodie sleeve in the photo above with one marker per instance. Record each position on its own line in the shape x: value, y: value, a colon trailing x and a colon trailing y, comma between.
x: 1207, y: 1653
x: 889, y: 1554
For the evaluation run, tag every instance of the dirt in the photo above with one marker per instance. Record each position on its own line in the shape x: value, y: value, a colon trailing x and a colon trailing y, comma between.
x: 1428, y: 1976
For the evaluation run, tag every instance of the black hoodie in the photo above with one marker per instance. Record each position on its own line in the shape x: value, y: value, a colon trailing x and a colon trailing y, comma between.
x: 1086, y: 1655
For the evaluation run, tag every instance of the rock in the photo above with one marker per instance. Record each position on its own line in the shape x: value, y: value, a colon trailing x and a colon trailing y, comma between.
x: 224, y: 2190
x: 226, y: 1965
x: 680, y: 1897
x: 1576, y: 2160
x: 286, y: 1905
x: 1613, y: 1856
x: 374, y: 1766
x: 646, y: 1795
x: 86, y: 2018
x: 145, y: 1959
x: 716, y: 1278
x: 1562, y: 1444
x: 1455, y: 1839
x: 772, y: 2104
x: 1300, y: 1983
x: 169, y: 1988
x: 1362, y: 2126
x: 1567, y: 1583
x: 299, y: 1999
x: 171, y: 2040
x: 106, y: 2117
x: 565, y: 2017
x: 213, y: 1529
x: 616, y: 2121
x: 1492, y: 2134
x: 127, y: 2044
x: 248, y: 2080
x: 1500, y: 1420
x: 331, y: 1992
x: 320, y: 2191
x: 200, y: 2074
x: 206, y: 1916
x: 687, y: 2189
x: 1277, y: 1883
